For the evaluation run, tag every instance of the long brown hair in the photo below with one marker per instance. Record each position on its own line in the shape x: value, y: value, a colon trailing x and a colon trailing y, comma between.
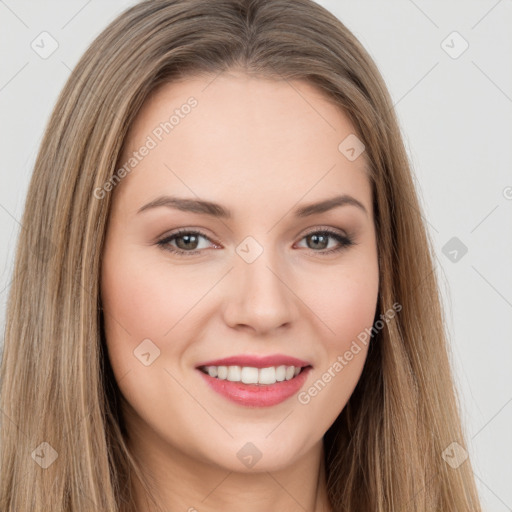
x: 384, y: 452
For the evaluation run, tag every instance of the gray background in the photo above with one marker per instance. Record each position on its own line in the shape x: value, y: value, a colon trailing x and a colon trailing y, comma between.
x: 455, y: 113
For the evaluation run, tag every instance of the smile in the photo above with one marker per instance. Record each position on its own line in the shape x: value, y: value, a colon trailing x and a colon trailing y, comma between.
x: 252, y: 375
x: 255, y: 387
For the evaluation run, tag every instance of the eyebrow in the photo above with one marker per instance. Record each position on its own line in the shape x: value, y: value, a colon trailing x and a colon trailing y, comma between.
x: 216, y: 210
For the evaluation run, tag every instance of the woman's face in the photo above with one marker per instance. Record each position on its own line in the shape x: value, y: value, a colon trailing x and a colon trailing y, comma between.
x: 253, y: 278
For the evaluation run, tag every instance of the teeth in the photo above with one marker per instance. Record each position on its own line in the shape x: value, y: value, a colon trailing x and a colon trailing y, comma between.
x: 251, y: 375
x: 234, y: 373
x: 222, y: 372
x: 280, y: 373
x: 267, y: 375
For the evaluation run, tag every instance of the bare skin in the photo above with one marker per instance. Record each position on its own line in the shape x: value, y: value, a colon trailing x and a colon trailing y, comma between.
x: 260, y: 148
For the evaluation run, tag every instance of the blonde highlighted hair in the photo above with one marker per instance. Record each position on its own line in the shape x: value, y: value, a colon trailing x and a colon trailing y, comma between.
x: 384, y: 451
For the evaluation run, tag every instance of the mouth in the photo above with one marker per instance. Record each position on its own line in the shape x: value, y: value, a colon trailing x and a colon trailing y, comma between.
x: 255, y: 387
x: 266, y: 376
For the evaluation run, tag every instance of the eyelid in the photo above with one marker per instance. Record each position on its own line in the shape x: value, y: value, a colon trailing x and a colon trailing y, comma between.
x: 329, y: 229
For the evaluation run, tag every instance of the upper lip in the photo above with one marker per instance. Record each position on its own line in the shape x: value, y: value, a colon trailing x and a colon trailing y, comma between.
x: 256, y: 361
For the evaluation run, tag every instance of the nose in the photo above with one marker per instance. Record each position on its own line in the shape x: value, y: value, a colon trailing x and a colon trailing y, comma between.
x: 260, y: 297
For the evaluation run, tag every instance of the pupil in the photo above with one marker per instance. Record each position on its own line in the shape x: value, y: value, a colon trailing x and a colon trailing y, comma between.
x: 188, y: 239
x: 315, y: 240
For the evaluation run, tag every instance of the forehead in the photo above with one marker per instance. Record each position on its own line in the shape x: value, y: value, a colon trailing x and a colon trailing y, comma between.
x: 229, y: 135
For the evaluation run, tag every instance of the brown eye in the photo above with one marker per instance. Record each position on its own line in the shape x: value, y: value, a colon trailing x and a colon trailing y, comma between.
x: 189, y: 241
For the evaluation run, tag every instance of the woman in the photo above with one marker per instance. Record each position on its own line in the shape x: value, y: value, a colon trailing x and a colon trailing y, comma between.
x: 175, y: 330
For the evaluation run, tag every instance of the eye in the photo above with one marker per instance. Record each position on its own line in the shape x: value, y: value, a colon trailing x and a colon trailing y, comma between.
x: 320, y: 240
x: 185, y: 240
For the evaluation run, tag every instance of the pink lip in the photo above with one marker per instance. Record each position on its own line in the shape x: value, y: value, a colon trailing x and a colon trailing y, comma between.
x: 257, y: 395
x: 256, y: 361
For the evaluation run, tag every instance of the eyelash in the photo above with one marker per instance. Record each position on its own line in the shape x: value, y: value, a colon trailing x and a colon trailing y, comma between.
x: 344, y: 241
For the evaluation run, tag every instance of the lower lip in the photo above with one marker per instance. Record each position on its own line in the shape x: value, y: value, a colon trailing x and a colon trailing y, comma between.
x: 257, y: 395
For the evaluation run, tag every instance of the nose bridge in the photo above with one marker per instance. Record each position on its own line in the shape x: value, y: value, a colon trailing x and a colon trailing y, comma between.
x: 262, y: 299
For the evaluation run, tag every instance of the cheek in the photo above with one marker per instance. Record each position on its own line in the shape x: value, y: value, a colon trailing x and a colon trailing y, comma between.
x: 345, y: 301
x: 347, y: 306
x: 144, y: 298
x: 353, y: 310
x: 137, y: 306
